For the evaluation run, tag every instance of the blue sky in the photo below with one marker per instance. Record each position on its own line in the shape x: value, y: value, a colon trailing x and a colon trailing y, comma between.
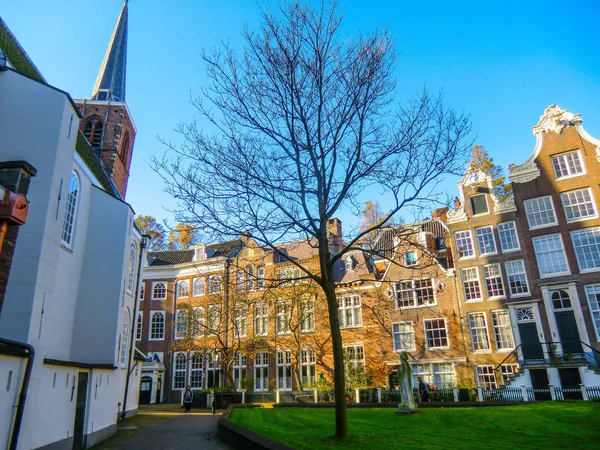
x: 502, y: 62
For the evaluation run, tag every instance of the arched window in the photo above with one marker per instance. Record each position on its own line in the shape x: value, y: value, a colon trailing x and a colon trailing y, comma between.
x: 260, y: 281
x: 125, y: 148
x: 214, y: 284
x: 157, y: 326
x: 183, y: 288
x: 250, y: 280
x: 179, y: 370
x: 69, y: 225
x: 132, y: 257
x: 125, y: 338
x: 198, y: 286
x: 159, y: 291
x: 93, y: 131
x: 561, y: 299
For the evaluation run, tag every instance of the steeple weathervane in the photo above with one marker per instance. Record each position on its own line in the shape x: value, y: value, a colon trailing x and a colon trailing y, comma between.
x: 110, y: 84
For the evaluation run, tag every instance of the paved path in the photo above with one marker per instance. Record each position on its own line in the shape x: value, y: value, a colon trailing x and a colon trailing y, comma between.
x: 185, y: 431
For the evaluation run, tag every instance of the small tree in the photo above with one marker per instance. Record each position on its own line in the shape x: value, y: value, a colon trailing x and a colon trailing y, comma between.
x: 183, y: 236
x: 148, y: 225
x: 305, y: 120
x: 481, y: 161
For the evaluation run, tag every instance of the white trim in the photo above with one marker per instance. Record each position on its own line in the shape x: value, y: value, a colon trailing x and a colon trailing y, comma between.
x: 414, y: 347
x: 447, y: 347
x: 581, y: 161
x: 545, y: 225
x: 555, y: 274
x: 152, y: 291
x: 150, y: 338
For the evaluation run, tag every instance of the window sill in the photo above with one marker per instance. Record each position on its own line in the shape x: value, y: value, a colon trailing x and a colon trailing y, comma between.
x: 160, y: 299
x: 513, y: 250
x: 595, y: 269
x: 351, y: 328
x: 582, y: 219
x: 497, y: 297
x: 65, y: 248
x: 489, y: 254
x: 505, y: 350
x: 482, y: 352
x: 406, y: 350
x: 438, y: 348
x: 539, y: 227
x: 156, y: 339
x: 557, y: 274
x: 398, y: 308
x: 523, y: 294
x: 462, y: 258
x: 566, y: 177
x: 479, y: 300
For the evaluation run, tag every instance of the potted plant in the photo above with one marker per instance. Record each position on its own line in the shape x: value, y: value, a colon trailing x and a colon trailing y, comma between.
x: 569, y: 357
x: 553, y: 354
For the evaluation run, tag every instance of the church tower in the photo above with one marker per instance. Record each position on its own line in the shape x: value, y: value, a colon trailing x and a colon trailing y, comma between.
x: 107, y: 123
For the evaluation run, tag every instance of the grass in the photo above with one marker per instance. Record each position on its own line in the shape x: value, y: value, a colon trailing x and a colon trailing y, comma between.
x: 543, y: 425
x: 143, y: 420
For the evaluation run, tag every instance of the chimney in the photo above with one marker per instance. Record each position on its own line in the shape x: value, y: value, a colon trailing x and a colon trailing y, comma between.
x: 200, y: 252
x: 334, y: 235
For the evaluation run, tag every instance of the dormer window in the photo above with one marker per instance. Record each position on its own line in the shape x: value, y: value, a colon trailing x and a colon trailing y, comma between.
x: 349, y: 264
x: 410, y: 258
x: 102, y: 95
x: 479, y: 204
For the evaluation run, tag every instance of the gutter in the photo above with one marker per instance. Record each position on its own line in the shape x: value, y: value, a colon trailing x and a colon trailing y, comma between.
x: 133, y: 323
x: 14, y: 437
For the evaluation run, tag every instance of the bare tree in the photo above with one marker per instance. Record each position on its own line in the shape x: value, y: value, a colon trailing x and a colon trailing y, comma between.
x: 304, y: 121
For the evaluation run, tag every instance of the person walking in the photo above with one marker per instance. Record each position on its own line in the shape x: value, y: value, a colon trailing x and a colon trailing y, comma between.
x: 423, y: 390
x: 188, y: 396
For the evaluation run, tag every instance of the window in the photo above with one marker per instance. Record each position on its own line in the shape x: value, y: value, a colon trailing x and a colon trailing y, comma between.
x: 283, y: 318
x: 139, y: 325
x: 578, y: 204
x: 288, y: 276
x: 567, y: 165
x: 586, y: 243
x: 517, y: 280
x: 410, y: 258
x: 349, y: 264
x: 479, y: 332
x: 198, y: 286
x: 436, y: 335
x: 92, y: 131
x: 493, y: 280
x: 440, y: 375
x: 485, y: 240
x: 159, y: 291
x: 181, y: 323
x: 142, y: 291
x: 560, y: 299
x: 196, y: 369
x: 284, y: 370
x: 261, y: 371
x: 355, y: 355
x: 540, y: 212
x: 479, y: 204
x: 239, y: 371
x: 486, y: 377
x: 464, y: 244
x: 592, y: 292
x: 250, y: 281
x: 260, y: 281
x: 502, y: 330
x: 214, y: 319
x: 239, y: 320
x: 197, y: 325
x: 157, y: 325
x: 125, y: 338
x: 70, y: 211
x: 308, y: 367
x: 261, y: 320
x: 508, y: 237
x: 125, y: 148
x: 183, y: 288
x: 213, y: 369
x: 509, y: 371
x: 550, y: 255
x: 350, y: 312
x: 214, y: 284
x: 131, y: 272
x: 307, y: 316
x: 471, y: 286
x: 415, y: 293
x: 404, y: 337
x: 240, y: 281
x: 179, y: 364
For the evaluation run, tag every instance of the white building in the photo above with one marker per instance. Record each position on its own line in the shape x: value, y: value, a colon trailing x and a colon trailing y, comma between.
x: 71, y: 294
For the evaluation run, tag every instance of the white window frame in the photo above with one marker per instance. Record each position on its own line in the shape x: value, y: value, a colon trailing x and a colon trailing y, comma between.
x: 570, y: 175
x: 152, y: 314
x: 238, y: 370
x: 486, y: 269
x: 181, y: 323
x: 142, y: 291
x: 240, y: 322
x: 531, y: 201
x: 505, y: 228
x: 486, y: 376
x: 250, y: 278
x: 510, y: 273
x: 308, y: 367
x: 592, y: 251
x: 131, y: 271
x: 125, y: 339
x: 564, y: 255
x: 487, y: 205
x: 592, y: 290
x: 502, y: 328
x: 307, y: 316
x: 215, y: 288
x: 240, y: 281
x: 441, y: 347
x: 72, y: 204
x: 399, y: 337
x: 283, y: 316
x: 260, y: 278
x: 350, y: 311
x: 566, y: 196
x: 432, y: 374
x: 139, y: 323
x: 181, y: 287
x: 480, y: 335
x: 213, y: 322
x: 470, y: 271
x: 199, y: 329
x: 466, y: 236
x: 198, y: 287
x: 261, y: 319
x: 284, y: 362
x: 154, y: 285
x: 261, y: 371
x: 412, y: 260
x: 196, y: 366
x: 480, y: 237
x: 178, y: 370
x: 355, y: 354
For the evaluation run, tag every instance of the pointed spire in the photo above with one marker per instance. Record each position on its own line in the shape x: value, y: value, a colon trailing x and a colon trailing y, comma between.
x: 110, y: 84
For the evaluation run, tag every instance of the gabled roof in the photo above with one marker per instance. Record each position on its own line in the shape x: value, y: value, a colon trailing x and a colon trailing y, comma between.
x: 227, y: 249
x: 362, y: 268
x: 16, y: 55
x: 297, y: 250
x: 113, y: 69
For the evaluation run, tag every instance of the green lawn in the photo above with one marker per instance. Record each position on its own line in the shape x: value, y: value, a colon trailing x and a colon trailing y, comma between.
x: 535, y: 426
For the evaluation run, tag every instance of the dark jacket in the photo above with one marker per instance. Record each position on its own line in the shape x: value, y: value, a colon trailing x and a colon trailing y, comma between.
x: 188, y: 396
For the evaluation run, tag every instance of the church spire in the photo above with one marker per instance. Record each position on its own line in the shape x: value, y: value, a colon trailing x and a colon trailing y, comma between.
x: 110, y: 84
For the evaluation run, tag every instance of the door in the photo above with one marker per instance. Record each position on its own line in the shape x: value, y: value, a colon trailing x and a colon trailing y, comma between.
x: 80, y: 407
x: 539, y: 383
x: 568, y: 332
x: 570, y: 380
x: 145, y: 390
x: 530, y: 341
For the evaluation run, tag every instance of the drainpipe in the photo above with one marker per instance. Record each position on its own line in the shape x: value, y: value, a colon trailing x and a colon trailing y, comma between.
x: 14, y: 437
x: 143, y: 244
